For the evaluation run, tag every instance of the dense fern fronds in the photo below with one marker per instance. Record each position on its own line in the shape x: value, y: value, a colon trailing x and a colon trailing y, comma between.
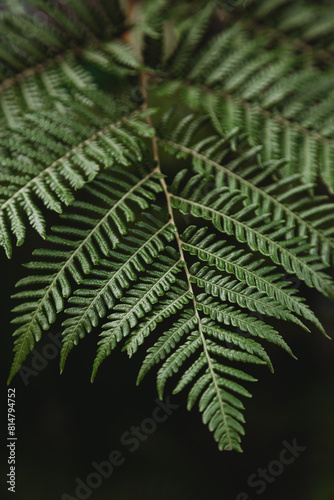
x: 204, y: 341
x: 140, y: 253
x: 235, y: 292
x: 269, y: 93
x: 39, y: 91
x: 45, y: 47
x: 223, y: 207
x: 181, y: 234
x: 309, y: 216
x: 42, y: 52
x: 54, y: 157
x: 77, y: 246
x: 304, y: 24
x: 267, y: 279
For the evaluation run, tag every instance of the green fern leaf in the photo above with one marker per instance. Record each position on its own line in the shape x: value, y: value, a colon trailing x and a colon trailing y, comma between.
x: 45, y: 63
x: 99, y: 294
x: 260, y: 233
x: 307, y: 216
x: 136, y: 303
x: 242, y: 81
x: 77, y: 249
x: 65, y: 164
x: 266, y: 279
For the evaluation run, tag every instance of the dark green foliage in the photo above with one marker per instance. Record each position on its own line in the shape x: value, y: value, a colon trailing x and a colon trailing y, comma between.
x: 181, y: 231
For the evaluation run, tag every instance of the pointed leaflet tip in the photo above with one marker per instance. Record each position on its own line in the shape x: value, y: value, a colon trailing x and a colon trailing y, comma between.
x: 93, y: 375
x: 12, y: 375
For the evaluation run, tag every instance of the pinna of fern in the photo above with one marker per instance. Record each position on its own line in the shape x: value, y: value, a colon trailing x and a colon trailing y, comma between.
x: 76, y: 146
x: 280, y: 101
x: 45, y: 47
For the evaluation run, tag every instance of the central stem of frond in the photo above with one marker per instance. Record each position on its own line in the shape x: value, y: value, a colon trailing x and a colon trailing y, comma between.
x: 155, y: 149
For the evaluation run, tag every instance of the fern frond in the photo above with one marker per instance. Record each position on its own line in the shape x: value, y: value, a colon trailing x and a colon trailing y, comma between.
x: 220, y: 408
x: 231, y: 316
x: 77, y: 247
x: 204, y: 339
x: 258, y: 231
x: 61, y: 38
x: 246, y: 269
x: 98, y: 294
x: 139, y: 301
x: 132, y: 257
x: 74, y: 151
x: 307, y: 26
x: 243, y: 82
x: 309, y: 216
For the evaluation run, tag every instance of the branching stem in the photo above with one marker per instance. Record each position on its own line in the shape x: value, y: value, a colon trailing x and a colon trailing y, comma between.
x: 157, y: 169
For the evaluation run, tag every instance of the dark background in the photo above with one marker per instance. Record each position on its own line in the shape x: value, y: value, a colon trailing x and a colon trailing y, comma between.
x: 64, y: 423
